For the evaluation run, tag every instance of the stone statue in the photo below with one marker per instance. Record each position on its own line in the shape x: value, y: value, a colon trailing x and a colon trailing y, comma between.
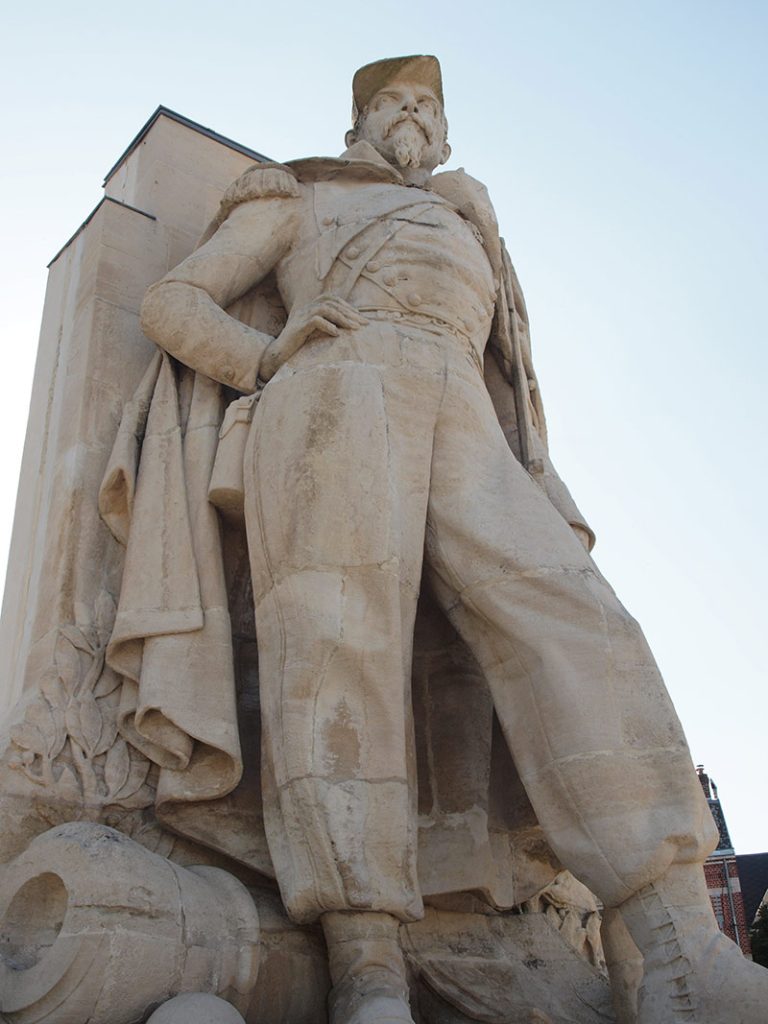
x: 452, y: 720
x: 377, y: 465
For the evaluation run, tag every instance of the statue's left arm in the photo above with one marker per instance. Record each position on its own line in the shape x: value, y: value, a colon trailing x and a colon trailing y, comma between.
x: 500, y: 372
x: 509, y: 373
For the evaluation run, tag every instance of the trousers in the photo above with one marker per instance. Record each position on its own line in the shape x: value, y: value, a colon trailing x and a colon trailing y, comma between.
x: 375, y: 461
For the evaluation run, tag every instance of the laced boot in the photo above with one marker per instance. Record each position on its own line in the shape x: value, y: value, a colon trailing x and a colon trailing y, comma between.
x: 367, y: 969
x: 692, y: 973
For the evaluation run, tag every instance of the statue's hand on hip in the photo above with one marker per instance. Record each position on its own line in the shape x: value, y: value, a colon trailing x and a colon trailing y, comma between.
x: 324, y: 315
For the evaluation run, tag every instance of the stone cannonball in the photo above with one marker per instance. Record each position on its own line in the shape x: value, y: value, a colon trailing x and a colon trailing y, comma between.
x: 196, y: 1008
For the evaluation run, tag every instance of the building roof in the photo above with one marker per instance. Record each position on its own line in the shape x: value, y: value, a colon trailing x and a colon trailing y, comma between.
x: 89, y: 218
x: 753, y: 875
x: 724, y: 845
x: 173, y: 116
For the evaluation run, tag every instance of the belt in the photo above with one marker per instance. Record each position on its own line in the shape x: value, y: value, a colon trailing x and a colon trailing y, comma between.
x: 423, y: 321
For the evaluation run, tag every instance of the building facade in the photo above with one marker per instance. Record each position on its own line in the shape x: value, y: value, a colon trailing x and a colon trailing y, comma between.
x: 722, y: 874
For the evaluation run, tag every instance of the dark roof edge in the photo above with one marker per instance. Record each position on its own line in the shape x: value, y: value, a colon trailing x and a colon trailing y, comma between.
x: 180, y: 119
x: 89, y: 218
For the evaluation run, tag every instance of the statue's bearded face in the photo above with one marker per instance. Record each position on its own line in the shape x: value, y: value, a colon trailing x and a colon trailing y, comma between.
x: 406, y: 124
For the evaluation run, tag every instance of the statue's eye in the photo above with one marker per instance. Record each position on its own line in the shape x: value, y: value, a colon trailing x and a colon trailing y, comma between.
x: 383, y: 99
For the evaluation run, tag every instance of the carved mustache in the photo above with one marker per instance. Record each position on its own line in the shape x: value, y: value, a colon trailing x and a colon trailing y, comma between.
x: 404, y: 116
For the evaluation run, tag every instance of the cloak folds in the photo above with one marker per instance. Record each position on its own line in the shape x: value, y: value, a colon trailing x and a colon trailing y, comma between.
x: 172, y: 639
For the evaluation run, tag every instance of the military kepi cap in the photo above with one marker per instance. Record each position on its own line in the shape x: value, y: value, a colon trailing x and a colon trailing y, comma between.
x: 420, y: 68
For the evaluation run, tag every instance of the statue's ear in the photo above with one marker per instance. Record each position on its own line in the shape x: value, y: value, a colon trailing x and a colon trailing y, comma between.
x: 350, y: 138
x: 445, y: 153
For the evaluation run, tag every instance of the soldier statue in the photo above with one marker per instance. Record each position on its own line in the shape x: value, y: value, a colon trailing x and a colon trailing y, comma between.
x: 398, y: 443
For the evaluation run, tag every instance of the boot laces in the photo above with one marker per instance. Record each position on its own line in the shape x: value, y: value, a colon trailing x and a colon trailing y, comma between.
x: 669, y: 954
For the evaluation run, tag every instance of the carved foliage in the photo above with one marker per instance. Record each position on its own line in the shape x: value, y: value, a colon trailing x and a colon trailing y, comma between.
x: 68, y: 741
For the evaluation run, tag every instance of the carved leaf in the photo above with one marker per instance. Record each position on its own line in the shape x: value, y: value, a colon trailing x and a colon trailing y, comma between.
x: 68, y: 663
x: 39, y: 715
x: 52, y: 690
x: 117, y: 768
x: 50, y: 724
x: 72, y: 721
x: 33, y: 777
x: 76, y: 637
x: 143, y: 797
x: 108, y: 729
x: 104, y: 611
x: 59, y: 733
x: 108, y: 682
x: 93, y: 672
x: 29, y: 737
x: 90, y: 723
x: 137, y: 775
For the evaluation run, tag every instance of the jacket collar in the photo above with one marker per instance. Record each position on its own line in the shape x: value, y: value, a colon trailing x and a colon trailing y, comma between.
x: 363, y: 150
x: 361, y: 162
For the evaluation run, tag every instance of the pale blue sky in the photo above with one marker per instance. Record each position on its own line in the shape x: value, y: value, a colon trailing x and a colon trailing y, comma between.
x: 625, y: 148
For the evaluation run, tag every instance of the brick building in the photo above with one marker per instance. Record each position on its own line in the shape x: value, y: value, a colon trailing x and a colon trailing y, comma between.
x: 722, y: 874
x: 753, y: 875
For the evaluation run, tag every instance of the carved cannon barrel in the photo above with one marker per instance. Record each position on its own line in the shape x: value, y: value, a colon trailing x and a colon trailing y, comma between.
x: 94, y: 927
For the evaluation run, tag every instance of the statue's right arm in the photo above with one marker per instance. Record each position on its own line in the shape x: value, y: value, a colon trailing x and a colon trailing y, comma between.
x: 184, y: 312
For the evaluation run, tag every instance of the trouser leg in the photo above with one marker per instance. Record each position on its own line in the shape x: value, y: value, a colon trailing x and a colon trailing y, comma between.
x: 586, y: 715
x: 336, y: 498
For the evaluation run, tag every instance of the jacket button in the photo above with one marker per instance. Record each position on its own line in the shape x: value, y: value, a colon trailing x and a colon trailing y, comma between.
x: 414, y: 299
x: 328, y: 221
x: 373, y: 266
x: 352, y: 252
x: 389, y: 278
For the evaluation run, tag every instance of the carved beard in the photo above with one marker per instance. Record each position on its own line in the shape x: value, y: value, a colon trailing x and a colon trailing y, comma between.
x: 409, y: 144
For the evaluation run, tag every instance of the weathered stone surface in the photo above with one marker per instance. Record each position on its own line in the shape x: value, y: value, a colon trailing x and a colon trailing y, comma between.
x: 502, y: 968
x: 300, y: 594
x: 95, y: 927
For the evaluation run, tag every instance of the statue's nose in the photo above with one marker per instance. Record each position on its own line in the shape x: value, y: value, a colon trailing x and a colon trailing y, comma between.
x: 410, y: 105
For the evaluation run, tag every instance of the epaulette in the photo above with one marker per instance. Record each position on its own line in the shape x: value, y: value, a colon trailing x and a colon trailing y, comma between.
x: 260, y: 181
